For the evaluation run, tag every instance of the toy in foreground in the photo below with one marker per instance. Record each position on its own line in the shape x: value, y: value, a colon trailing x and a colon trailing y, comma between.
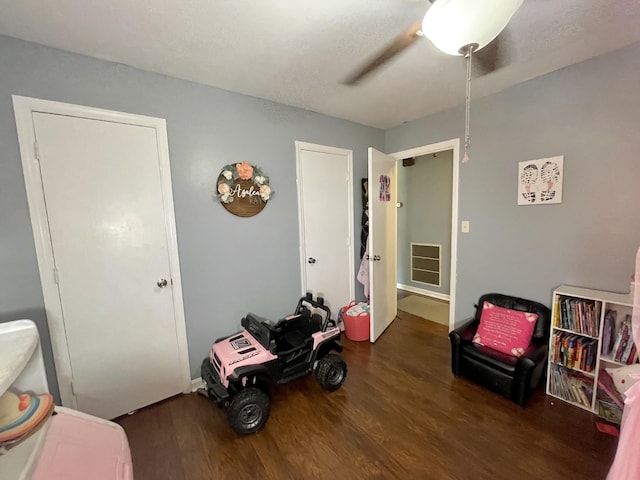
x: 239, y: 366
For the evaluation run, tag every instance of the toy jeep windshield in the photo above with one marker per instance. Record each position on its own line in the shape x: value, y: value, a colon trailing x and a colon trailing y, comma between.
x: 239, y: 367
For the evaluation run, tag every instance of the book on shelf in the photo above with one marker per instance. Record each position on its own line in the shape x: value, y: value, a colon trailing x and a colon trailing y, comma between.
x: 563, y: 314
x: 609, y: 411
x: 629, y: 354
x: 556, y: 313
x: 624, y: 348
x: 574, y: 351
x: 608, y: 331
x: 578, y: 315
x: 571, y: 386
x: 607, y: 387
x: 579, y: 388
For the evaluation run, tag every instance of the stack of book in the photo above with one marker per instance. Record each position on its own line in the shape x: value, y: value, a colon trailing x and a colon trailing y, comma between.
x: 609, y: 411
x: 579, y: 315
x: 571, y: 386
x: 618, y: 344
x: 610, y: 402
x: 574, y: 351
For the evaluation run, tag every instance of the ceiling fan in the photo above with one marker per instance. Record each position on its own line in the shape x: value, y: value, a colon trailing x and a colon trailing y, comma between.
x: 456, y: 27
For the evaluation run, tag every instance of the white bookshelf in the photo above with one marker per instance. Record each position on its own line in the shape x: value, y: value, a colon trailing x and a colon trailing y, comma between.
x: 578, y: 317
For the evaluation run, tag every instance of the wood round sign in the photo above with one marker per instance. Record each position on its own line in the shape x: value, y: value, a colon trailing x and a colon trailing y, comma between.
x: 243, y: 189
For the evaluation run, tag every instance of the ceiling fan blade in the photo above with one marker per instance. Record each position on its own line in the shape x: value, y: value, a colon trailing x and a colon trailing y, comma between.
x: 400, y: 43
x: 493, y: 56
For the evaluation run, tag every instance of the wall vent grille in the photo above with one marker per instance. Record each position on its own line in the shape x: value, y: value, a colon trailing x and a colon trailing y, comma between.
x: 426, y: 263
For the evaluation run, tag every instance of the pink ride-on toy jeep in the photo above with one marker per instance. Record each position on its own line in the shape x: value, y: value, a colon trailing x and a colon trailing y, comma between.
x: 240, y: 365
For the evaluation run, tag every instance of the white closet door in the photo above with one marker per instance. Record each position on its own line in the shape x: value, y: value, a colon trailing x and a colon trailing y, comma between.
x: 104, y: 205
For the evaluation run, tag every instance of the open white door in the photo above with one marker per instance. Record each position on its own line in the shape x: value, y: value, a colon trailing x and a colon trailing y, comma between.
x: 382, y: 241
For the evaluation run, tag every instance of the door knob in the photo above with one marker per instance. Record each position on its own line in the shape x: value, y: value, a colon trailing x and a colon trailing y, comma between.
x: 376, y: 258
x: 311, y: 260
x: 162, y: 282
x: 367, y: 257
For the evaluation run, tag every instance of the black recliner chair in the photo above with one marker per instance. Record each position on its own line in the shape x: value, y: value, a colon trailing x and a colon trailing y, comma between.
x: 512, y: 377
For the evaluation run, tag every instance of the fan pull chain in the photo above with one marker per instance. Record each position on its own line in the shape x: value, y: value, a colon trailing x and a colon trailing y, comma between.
x: 467, y: 136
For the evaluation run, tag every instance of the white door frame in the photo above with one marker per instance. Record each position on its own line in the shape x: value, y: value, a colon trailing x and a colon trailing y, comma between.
x: 24, y: 107
x: 300, y: 146
x: 454, y: 145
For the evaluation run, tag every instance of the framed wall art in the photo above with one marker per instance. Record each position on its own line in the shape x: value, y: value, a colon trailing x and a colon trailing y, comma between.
x: 540, y: 181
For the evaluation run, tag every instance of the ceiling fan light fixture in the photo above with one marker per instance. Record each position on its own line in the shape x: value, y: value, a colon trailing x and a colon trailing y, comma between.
x: 452, y: 25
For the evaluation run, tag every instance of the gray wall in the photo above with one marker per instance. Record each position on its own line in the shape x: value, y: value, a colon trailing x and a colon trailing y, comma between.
x: 590, y: 113
x: 425, y: 191
x: 229, y: 265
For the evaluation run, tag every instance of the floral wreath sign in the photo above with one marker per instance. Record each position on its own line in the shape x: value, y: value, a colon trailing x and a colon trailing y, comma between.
x: 243, y: 189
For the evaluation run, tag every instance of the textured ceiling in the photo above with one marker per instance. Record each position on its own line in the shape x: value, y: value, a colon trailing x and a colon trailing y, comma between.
x: 297, y: 52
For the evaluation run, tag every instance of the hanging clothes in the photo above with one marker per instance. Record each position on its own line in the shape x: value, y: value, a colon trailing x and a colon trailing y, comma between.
x: 626, y: 464
x: 364, y: 234
x: 363, y: 271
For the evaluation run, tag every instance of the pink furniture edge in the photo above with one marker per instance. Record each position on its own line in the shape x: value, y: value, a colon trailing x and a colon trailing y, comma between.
x: 626, y: 464
x: 80, y: 447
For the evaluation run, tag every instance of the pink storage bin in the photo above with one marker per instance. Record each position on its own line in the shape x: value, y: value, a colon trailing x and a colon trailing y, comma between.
x: 356, y: 321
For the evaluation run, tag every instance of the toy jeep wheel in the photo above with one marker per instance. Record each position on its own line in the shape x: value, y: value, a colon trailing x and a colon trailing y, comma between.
x: 331, y: 372
x: 249, y: 410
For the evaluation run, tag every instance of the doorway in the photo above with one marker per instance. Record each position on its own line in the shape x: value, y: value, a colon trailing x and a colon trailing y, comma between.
x: 427, y: 257
x: 99, y: 192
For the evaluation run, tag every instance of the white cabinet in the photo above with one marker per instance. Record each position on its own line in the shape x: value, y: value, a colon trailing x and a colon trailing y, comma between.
x: 590, y: 331
x: 59, y: 449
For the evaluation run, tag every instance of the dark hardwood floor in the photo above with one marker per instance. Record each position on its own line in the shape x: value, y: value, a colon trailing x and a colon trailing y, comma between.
x: 400, y: 414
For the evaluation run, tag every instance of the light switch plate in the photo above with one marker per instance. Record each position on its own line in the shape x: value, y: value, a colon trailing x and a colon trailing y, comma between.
x: 465, y: 226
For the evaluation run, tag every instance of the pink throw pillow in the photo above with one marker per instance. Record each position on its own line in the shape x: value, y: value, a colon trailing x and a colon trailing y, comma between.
x: 507, y: 331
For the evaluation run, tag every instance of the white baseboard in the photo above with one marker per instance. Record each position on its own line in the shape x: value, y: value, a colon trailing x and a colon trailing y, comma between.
x: 196, y: 383
x: 422, y: 291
